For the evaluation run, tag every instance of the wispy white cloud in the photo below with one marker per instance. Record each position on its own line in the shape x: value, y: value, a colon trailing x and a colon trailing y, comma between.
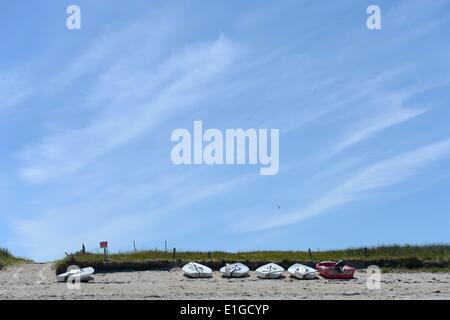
x: 13, y: 89
x: 136, y: 42
x: 380, y: 122
x: 380, y: 175
x: 183, y: 80
x: 384, y: 109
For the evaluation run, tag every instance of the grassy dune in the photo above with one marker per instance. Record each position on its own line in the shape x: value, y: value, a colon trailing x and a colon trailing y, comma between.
x: 7, y: 259
x: 394, y: 256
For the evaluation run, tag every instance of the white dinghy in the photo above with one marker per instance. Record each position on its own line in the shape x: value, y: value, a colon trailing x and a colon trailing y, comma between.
x: 197, y: 270
x: 82, y: 275
x: 301, y: 271
x: 269, y: 271
x: 234, y: 270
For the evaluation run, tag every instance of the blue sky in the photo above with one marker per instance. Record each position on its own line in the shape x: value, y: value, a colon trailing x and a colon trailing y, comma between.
x: 86, y: 117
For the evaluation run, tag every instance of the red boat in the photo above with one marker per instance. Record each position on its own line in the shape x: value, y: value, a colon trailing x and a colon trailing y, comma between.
x: 335, y: 270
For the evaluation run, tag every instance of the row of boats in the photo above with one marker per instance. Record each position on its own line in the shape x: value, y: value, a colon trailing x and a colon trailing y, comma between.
x: 327, y: 269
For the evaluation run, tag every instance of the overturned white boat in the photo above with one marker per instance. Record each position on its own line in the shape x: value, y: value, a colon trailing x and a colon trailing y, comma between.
x: 234, y: 270
x: 301, y: 271
x: 269, y: 271
x: 82, y: 275
x: 197, y: 270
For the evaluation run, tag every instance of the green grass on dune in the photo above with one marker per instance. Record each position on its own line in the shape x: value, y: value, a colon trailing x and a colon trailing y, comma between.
x: 391, y: 256
x: 7, y: 259
x: 429, y: 252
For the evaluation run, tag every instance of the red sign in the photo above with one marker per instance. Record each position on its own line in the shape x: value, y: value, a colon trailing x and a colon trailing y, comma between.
x: 104, y: 244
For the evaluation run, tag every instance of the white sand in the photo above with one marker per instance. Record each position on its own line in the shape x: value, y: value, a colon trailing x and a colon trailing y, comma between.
x: 37, y: 281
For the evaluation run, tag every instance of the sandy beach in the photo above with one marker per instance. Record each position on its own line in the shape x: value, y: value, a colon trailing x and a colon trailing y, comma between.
x: 37, y: 281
